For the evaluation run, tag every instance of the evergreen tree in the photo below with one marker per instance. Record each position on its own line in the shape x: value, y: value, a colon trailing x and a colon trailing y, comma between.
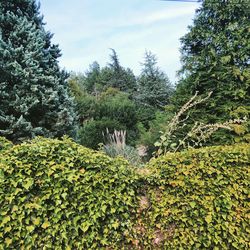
x: 91, y: 81
x: 216, y: 57
x: 97, y: 79
x: 116, y: 76
x: 34, y: 98
x: 115, y: 64
x: 154, y: 88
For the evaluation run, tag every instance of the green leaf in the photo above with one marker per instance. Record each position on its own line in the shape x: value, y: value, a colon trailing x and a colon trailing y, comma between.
x: 85, y: 227
x: 36, y: 221
x: 5, y: 220
x: 192, y: 204
x: 104, y: 207
x: 45, y: 225
x: 115, y: 225
x: 64, y: 195
x: 113, y: 210
x: 208, y: 218
x: 226, y: 59
x: 28, y: 183
x: 8, y: 241
x: 30, y: 228
x: 7, y: 229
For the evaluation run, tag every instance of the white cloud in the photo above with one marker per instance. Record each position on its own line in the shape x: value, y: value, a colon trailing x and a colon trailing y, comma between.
x: 156, y: 16
x: 75, y: 24
x: 84, y: 38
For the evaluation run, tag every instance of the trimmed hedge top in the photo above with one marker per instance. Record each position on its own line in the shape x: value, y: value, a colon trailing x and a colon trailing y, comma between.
x: 59, y: 195
x: 199, y: 199
x: 4, y: 144
x: 56, y: 194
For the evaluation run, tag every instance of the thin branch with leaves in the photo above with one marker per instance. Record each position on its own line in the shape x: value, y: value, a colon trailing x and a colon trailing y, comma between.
x: 197, y: 135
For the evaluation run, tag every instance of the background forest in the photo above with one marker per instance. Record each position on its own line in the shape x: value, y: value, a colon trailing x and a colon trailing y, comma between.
x: 38, y: 98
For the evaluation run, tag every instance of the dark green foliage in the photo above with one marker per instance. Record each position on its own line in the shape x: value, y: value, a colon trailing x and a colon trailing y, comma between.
x: 111, y: 108
x: 34, y: 98
x: 111, y: 93
x: 148, y: 136
x: 116, y: 105
x: 196, y: 199
x: 216, y: 56
x: 92, y: 81
x: 59, y: 195
x: 76, y: 85
x: 145, y: 114
x: 97, y: 79
x: 154, y: 88
x: 88, y: 107
x: 91, y: 132
x: 117, y: 76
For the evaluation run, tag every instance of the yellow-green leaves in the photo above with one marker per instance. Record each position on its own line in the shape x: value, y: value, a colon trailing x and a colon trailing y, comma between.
x: 208, y: 218
x: 5, y: 219
x: 45, y: 225
x: 8, y: 241
x: 58, y: 191
x: 4, y: 144
x: 199, y: 199
x: 36, y: 221
x: 28, y: 183
x: 85, y: 226
x: 30, y: 228
x: 192, y: 204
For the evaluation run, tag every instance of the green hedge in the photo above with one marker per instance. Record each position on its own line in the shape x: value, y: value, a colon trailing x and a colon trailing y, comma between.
x: 56, y: 194
x: 59, y: 195
x: 4, y: 144
x: 197, y: 199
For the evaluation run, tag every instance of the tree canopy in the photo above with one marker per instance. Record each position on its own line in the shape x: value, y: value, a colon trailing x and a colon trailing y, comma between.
x: 34, y: 97
x: 216, y: 57
x: 154, y: 88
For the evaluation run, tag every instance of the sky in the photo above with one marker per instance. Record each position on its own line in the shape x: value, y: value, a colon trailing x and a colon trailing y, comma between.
x: 86, y: 29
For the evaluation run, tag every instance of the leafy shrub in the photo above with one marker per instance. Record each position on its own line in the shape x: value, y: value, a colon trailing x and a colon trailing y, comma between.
x: 116, y: 146
x: 59, y: 195
x: 5, y: 144
x: 149, y: 136
x: 91, y: 133
x: 87, y: 106
x: 145, y: 114
x: 197, y: 199
x: 112, y: 109
x: 128, y: 152
x: 116, y: 105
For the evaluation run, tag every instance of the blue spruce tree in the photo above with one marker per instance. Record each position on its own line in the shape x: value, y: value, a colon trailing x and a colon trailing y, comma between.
x: 34, y: 98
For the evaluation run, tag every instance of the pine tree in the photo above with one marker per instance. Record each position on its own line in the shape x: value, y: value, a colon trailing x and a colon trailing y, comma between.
x: 116, y: 76
x: 216, y: 57
x: 91, y: 82
x: 34, y: 96
x: 154, y: 87
x: 97, y: 79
